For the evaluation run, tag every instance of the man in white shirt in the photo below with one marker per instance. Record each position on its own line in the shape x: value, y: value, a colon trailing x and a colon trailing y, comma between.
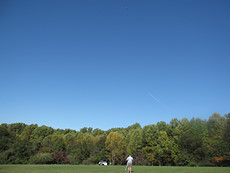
x: 129, y: 163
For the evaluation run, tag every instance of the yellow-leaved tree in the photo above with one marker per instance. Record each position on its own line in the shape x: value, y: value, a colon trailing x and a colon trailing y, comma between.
x: 115, y: 147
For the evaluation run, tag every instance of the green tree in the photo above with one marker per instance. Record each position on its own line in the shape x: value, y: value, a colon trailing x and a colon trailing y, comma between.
x: 149, y: 141
x: 218, y: 145
x: 55, y: 141
x: 134, y: 141
x: 163, y: 149
x: 96, y: 149
x: 70, y: 142
x: 58, y: 143
x: 38, y: 134
x: 184, y: 156
x: 27, y: 132
x: 17, y: 128
x: 192, y: 141
x: 227, y: 137
x: 97, y: 132
x: 4, y: 138
x: 86, y: 130
x: 82, y: 149
x: 173, y: 134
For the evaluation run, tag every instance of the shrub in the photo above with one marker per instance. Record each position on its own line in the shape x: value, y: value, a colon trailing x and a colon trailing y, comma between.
x: 42, y: 158
x: 3, y: 158
x: 60, y: 157
x: 73, y: 160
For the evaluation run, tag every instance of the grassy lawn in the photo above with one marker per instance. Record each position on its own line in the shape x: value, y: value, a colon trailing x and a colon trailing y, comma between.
x: 107, y: 169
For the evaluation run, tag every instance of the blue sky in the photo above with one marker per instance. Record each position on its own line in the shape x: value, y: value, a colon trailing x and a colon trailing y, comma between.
x: 97, y: 63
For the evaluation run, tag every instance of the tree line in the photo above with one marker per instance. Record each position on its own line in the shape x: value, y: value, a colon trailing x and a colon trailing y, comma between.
x: 194, y: 142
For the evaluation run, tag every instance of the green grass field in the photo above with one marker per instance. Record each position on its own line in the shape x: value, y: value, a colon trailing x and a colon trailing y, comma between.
x: 107, y: 169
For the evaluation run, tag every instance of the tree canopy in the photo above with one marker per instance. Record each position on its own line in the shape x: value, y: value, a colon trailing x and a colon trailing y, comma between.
x: 181, y: 142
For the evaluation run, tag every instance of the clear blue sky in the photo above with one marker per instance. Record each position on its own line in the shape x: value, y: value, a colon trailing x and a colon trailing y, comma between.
x: 97, y: 63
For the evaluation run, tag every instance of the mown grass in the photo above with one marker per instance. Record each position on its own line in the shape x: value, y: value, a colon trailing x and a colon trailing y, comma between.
x: 107, y: 169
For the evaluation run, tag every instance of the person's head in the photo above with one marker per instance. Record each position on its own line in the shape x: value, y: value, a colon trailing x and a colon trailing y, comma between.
x: 130, y: 155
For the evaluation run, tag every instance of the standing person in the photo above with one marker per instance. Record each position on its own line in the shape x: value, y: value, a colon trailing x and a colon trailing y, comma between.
x: 129, y: 163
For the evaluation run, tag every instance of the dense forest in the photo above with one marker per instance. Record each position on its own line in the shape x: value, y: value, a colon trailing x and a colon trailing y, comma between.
x: 194, y: 142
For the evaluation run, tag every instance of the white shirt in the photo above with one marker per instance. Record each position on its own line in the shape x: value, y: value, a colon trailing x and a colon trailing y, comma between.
x: 129, y: 159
